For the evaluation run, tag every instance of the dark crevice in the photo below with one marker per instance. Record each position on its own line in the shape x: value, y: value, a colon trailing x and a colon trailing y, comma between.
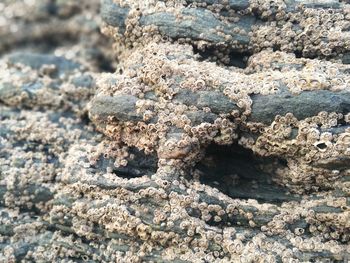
x: 321, y: 145
x: 85, y: 118
x: 236, y: 59
x: 298, y: 53
x: 105, y: 64
x: 239, y: 173
x: 138, y: 164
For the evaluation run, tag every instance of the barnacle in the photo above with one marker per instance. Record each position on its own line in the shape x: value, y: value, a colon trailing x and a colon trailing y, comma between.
x: 219, y: 144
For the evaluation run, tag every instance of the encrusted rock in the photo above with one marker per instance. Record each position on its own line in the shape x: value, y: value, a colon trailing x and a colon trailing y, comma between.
x: 220, y: 133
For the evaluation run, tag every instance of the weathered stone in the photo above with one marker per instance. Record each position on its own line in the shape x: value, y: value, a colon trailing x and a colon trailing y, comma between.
x: 303, y: 105
x: 123, y: 108
x: 200, y: 161
x: 37, y: 61
x: 251, y: 28
x: 41, y: 80
x: 114, y: 14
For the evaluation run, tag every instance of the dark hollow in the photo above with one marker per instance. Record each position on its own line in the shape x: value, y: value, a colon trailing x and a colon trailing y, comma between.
x: 239, y: 173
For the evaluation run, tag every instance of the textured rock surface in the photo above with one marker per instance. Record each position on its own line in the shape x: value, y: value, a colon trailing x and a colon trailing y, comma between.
x: 69, y: 28
x: 307, y: 28
x: 177, y: 155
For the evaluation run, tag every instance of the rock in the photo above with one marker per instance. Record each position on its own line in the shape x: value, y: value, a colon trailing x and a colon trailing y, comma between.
x: 55, y: 27
x: 114, y: 14
x: 178, y: 155
x: 123, y: 108
x: 303, y: 105
x: 219, y: 105
x: 37, y: 61
x: 239, y: 26
x: 85, y: 81
x: 41, y: 80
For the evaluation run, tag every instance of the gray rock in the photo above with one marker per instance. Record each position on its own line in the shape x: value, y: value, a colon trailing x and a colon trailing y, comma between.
x: 122, y: 107
x: 197, y: 24
x: 305, y: 104
x: 36, y: 61
x: 113, y: 14
x: 83, y: 81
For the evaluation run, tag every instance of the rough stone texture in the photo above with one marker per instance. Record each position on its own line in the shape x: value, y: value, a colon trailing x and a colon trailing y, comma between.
x: 307, y: 28
x: 62, y: 27
x: 178, y: 155
x: 44, y: 80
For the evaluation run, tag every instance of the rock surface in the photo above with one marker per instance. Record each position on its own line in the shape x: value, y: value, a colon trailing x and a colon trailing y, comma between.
x: 162, y: 150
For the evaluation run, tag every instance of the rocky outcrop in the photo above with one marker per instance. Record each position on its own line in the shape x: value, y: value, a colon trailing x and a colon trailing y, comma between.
x: 178, y: 155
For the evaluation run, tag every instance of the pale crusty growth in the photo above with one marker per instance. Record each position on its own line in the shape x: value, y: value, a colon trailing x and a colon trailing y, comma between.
x: 306, y: 28
x: 182, y: 220
x: 44, y: 81
x: 202, y: 161
x: 167, y: 101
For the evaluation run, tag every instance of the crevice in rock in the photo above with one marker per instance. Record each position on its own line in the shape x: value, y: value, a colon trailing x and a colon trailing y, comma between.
x: 138, y: 164
x: 105, y: 64
x: 239, y: 173
x: 236, y: 59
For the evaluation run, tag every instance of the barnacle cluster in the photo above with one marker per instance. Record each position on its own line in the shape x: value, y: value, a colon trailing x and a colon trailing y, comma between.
x: 306, y: 28
x: 148, y: 163
x: 35, y: 80
x: 179, y: 106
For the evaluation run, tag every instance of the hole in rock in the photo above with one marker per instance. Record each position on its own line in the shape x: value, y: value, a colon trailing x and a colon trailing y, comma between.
x: 236, y: 59
x: 298, y: 53
x: 321, y: 146
x: 239, y: 173
x: 103, y: 63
